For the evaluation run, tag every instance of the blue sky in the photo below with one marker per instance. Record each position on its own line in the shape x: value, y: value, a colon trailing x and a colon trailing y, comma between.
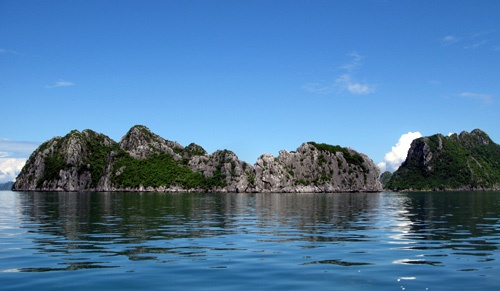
x: 250, y: 76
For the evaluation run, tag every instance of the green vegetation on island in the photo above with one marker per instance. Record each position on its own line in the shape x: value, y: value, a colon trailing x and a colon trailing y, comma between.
x: 160, y: 170
x: 467, y: 161
x: 354, y: 159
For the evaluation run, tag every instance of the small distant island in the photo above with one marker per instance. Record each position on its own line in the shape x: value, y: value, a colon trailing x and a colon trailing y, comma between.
x: 143, y: 161
x: 6, y: 186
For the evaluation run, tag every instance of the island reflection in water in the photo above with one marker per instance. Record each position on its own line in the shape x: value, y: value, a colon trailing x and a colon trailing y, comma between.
x: 392, y: 237
x: 146, y: 216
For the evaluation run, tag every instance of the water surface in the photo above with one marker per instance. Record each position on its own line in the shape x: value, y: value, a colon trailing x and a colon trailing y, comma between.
x: 390, y: 241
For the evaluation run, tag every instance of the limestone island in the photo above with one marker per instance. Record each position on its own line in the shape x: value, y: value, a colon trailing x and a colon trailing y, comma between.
x: 144, y: 161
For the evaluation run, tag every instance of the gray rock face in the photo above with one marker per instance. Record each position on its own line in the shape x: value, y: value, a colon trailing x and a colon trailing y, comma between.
x: 311, y: 169
x: 234, y: 172
x: 90, y: 161
x: 140, y: 142
x: 65, y: 163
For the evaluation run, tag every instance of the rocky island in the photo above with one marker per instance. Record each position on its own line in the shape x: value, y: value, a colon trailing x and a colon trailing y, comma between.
x: 144, y: 161
x: 465, y: 161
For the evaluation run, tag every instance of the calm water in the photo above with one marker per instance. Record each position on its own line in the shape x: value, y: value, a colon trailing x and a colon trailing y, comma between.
x: 390, y: 241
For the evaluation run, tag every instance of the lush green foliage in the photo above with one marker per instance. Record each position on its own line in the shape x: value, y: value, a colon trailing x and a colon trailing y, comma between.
x: 161, y: 170
x: 251, y: 178
x: 97, y: 156
x: 53, y: 164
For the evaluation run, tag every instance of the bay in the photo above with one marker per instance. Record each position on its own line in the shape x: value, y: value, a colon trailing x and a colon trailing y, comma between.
x: 199, y: 241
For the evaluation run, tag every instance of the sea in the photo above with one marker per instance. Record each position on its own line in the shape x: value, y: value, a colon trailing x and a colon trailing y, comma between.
x: 241, y: 241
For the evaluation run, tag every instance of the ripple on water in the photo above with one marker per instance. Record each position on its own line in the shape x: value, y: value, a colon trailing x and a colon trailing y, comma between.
x: 337, y: 262
x: 417, y: 262
x: 314, y: 241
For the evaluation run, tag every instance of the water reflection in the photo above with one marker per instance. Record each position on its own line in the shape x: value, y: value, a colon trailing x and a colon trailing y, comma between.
x: 132, y: 222
x: 457, y: 220
x: 74, y: 231
x: 441, y: 226
x: 147, y: 216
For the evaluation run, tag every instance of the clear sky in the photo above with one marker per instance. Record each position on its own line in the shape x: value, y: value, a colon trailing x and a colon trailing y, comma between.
x: 250, y: 76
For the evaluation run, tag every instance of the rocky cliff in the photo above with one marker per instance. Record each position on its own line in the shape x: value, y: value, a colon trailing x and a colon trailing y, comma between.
x: 71, y: 163
x: 316, y: 168
x: 465, y: 161
x: 144, y: 161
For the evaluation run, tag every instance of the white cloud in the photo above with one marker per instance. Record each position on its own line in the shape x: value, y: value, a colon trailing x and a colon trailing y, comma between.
x: 16, y: 149
x: 354, y: 63
x: 10, y: 168
x: 477, y: 44
x: 13, y: 156
x: 394, y: 158
x: 382, y: 166
x: 60, y: 83
x: 483, y: 39
x: 449, y: 39
x: 344, y: 82
x: 485, y: 98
